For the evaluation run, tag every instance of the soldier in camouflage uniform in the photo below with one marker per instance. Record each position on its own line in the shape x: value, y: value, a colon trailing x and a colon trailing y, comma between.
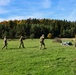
x: 21, y: 42
x: 42, y: 41
x: 5, y: 42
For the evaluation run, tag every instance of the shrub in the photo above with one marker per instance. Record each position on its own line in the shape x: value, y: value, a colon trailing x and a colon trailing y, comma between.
x: 32, y: 36
x: 49, y: 36
x: 58, y: 40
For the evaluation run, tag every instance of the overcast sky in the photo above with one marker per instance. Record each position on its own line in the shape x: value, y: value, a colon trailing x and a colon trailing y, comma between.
x: 49, y: 9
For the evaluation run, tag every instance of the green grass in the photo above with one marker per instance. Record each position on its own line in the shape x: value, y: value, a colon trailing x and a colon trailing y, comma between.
x: 55, y: 60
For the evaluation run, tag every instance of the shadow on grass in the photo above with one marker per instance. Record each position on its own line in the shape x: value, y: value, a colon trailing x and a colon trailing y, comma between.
x: 21, y: 48
x: 15, y: 48
x: 33, y: 47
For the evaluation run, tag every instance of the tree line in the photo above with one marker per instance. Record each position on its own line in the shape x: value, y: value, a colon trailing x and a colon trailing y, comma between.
x: 36, y: 27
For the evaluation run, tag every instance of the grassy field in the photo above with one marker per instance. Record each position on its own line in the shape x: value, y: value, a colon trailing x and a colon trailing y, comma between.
x: 55, y: 60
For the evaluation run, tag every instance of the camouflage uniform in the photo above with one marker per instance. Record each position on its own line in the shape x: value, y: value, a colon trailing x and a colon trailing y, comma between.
x: 5, y: 42
x: 21, y: 42
x: 42, y: 41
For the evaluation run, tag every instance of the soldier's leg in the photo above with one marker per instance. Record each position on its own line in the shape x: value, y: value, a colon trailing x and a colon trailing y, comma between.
x: 3, y: 46
x: 20, y: 45
x: 6, y: 45
x: 40, y: 45
x: 44, y: 45
x: 23, y: 45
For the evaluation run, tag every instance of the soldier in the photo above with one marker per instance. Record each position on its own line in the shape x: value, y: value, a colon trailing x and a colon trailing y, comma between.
x: 21, y: 42
x: 5, y: 42
x: 42, y: 41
